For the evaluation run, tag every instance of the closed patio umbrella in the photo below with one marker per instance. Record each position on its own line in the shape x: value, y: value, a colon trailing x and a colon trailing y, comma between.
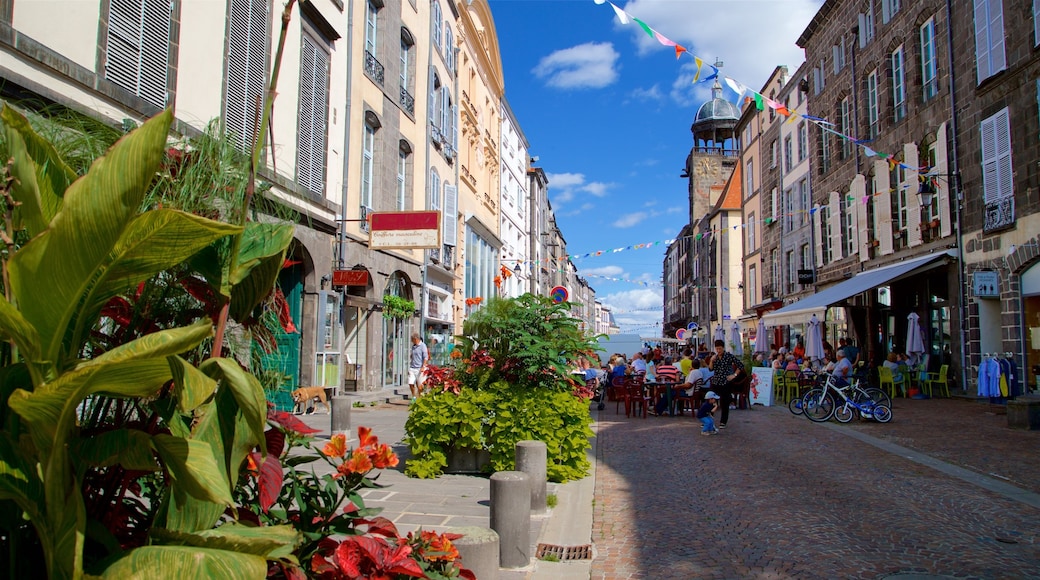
x: 914, y: 338
x: 814, y: 339
x: 736, y: 340
x: 761, y: 341
x: 720, y: 332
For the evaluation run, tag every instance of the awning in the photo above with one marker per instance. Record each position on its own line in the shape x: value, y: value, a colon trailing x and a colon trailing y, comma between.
x: 800, y: 311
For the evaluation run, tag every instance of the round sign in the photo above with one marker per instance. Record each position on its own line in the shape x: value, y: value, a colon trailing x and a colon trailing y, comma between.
x: 680, y: 334
x: 692, y: 326
x: 559, y: 294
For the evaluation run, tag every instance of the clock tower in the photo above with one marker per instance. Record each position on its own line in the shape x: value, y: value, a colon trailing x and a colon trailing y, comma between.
x: 714, y: 154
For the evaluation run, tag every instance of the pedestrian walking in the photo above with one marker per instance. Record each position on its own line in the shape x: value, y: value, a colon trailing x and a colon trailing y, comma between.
x: 417, y: 361
x: 727, y: 369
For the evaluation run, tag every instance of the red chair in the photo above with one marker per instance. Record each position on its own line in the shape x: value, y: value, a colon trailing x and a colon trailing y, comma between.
x: 638, y: 399
x: 692, y: 401
x: 618, y: 393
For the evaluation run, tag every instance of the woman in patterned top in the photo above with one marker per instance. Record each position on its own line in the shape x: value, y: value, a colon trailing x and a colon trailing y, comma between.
x: 727, y: 368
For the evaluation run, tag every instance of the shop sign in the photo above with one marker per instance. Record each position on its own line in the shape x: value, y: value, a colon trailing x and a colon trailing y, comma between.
x: 350, y: 277
x: 404, y: 230
x: 985, y: 284
x: 806, y: 276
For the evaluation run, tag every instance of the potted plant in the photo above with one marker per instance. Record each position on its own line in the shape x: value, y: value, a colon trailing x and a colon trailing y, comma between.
x: 397, y: 307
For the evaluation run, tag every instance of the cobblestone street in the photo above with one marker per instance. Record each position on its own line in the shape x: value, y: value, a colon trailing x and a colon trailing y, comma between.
x: 776, y: 496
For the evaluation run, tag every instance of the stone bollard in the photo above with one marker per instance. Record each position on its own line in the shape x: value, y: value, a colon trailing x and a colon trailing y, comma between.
x: 478, y: 548
x: 532, y: 459
x: 341, y: 415
x: 511, y: 517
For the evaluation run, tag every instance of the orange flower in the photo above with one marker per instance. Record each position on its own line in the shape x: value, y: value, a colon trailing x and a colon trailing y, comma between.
x: 336, y: 447
x: 456, y: 354
x: 359, y: 462
x: 365, y: 437
x: 383, y: 457
x: 498, y: 281
x: 438, y: 547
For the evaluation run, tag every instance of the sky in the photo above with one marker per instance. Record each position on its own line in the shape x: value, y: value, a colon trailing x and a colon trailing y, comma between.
x: 607, y: 111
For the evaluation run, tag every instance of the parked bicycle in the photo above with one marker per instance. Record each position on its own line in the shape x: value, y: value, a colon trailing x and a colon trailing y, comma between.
x: 819, y: 404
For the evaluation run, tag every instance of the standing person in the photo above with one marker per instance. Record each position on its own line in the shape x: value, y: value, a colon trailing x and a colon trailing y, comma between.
x: 706, y: 411
x: 850, y: 350
x: 726, y: 368
x: 686, y: 363
x: 417, y: 362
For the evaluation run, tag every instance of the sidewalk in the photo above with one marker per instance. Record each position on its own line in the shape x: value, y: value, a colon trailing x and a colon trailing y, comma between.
x: 464, y: 500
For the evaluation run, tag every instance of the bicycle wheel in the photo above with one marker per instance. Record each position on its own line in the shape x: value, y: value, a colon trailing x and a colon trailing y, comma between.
x: 882, y: 413
x: 795, y: 405
x: 844, y: 412
x: 818, y: 405
x: 873, y: 394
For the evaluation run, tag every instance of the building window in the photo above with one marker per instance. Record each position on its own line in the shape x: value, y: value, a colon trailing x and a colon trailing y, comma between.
x: 806, y: 257
x: 825, y: 233
x: 752, y: 285
x: 898, y: 197
x: 866, y: 25
x: 803, y: 200
x: 246, y: 72
x: 774, y: 271
x: 313, y: 114
x: 803, y: 141
x: 481, y: 266
x: 872, y: 104
x: 449, y: 49
x: 898, y: 85
x: 405, y: 49
x: 792, y: 271
x: 752, y: 243
x: 1036, y: 22
x: 774, y: 149
x: 447, y: 114
x: 434, y: 107
x: 368, y: 152
x: 989, y: 38
x: 889, y: 8
x: 825, y: 151
x: 371, y: 27
x: 137, y: 47
x: 838, y: 56
x: 929, y: 72
x: 789, y: 210
x: 435, y: 20
x: 788, y: 154
x: 845, y: 120
x: 402, y: 178
x: 931, y: 211
x: 772, y: 111
x: 849, y: 225
x: 433, y: 196
x: 997, y: 177
x: 749, y: 179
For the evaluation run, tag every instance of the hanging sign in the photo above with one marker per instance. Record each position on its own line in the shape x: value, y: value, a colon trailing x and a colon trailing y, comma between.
x: 559, y: 294
x: 350, y: 277
x: 986, y: 284
x: 404, y: 230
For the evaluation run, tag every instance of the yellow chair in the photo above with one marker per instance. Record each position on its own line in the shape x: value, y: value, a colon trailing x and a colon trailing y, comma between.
x: 790, y: 385
x: 937, y: 379
x: 888, y: 382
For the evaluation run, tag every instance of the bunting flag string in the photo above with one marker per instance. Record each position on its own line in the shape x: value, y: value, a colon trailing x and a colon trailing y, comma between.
x: 760, y: 100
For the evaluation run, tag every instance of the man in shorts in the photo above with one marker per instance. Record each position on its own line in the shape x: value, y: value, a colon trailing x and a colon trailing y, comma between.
x: 417, y: 361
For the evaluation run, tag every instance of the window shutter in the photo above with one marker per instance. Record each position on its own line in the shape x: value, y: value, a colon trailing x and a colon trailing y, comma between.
x: 885, y: 11
x: 137, y: 47
x: 982, y: 41
x: 834, y: 57
x: 837, y: 222
x: 883, y: 207
x: 817, y: 224
x: 1002, y: 129
x: 433, y: 196
x: 450, y: 229
x: 310, y: 157
x: 913, y: 201
x: 989, y: 160
x: 997, y: 58
x: 246, y: 69
x: 943, y: 190
x: 1036, y: 22
x: 857, y: 190
x: 862, y: 30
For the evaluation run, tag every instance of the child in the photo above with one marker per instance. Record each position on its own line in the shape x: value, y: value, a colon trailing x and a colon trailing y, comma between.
x: 711, y: 404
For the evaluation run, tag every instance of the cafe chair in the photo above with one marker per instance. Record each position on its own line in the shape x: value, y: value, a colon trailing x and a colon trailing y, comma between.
x: 618, y: 393
x: 936, y: 380
x: 683, y: 401
x: 888, y: 382
x: 638, y: 399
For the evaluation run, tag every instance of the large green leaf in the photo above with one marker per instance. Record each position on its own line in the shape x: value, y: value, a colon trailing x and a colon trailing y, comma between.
x: 193, y: 467
x: 260, y: 241
x: 271, y: 542
x: 248, y: 392
x: 257, y: 285
x: 15, y: 327
x: 55, y: 271
x: 18, y: 480
x: 181, y: 562
x: 129, y: 448
x: 191, y: 385
x: 52, y: 176
x: 157, y: 345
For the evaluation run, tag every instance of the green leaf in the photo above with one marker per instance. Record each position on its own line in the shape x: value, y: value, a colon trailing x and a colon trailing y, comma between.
x: 257, y: 285
x: 271, y: 542
x: 50, y: 176
x: 248, y: 393
x: 13, y: 326
x: 160, y: 344
x: 260, y: 241
x: 191, y: 385
x: 193, y: 468
x: 18, y: 480
x: 51, y: 275
x: 181, y: 562
x: 129, y: 448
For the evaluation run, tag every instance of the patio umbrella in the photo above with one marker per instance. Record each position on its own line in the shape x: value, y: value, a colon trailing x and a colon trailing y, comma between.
x: 761, y: 341
x: 814, y: 339
x: 735, y: 339
x: 720, y: 332
x: 914, y: 338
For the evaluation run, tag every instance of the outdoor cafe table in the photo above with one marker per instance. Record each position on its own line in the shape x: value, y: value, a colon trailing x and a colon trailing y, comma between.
x: 656, y: 389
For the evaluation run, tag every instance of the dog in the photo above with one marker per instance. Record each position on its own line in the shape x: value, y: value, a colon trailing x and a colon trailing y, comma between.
x: 304, y: 395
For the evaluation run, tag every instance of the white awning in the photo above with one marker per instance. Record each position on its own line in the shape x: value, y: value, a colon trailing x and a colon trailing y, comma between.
x: 800, y: 311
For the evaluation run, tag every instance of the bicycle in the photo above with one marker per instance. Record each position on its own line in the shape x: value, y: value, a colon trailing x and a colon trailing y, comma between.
x: 818, y: 405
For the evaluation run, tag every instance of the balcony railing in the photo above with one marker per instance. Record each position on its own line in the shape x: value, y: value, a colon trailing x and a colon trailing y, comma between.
x: 407, y: 101
x: 374, y: 68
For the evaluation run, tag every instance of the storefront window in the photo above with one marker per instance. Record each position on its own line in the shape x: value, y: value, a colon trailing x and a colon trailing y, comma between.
x: 1030, y: 281
x: 396, y: 344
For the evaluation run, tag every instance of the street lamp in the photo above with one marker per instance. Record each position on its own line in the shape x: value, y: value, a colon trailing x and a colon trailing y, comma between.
x: 925, y: 192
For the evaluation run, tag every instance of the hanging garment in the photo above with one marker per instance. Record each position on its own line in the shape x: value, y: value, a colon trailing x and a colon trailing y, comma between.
x: 1005, y: 372
x: 989, y: 378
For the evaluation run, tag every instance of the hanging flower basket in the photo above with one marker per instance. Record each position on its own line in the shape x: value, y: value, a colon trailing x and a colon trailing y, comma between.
x: 397, y: 307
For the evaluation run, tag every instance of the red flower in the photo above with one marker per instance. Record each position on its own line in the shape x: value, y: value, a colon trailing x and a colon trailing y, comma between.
x: 336, y: 447
x: 383, y: 457
x: 359, y: 462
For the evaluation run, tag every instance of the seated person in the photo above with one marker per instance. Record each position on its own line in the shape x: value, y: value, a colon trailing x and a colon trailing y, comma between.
x: 892, y: 363
x: 792, y: 364
x: 842, y: 369
x: 638, y: 364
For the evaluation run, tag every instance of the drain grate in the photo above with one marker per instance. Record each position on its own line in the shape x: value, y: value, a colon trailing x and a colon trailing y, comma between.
x: 564, y: 553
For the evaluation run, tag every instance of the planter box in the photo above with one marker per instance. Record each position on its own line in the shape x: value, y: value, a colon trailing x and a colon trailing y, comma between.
x: 467, y: 461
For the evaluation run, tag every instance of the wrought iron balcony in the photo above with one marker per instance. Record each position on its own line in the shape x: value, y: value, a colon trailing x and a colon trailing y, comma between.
x: 407, y: 101
x: 373, y: 68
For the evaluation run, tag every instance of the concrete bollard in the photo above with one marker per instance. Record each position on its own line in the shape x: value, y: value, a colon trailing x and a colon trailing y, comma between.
x: 341, y: 415
x: 511, y: 517
x: 532, y: 458
x: 478, y: 548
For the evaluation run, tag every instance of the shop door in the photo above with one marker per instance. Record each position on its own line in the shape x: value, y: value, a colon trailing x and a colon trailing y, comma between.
x: 286, y: 359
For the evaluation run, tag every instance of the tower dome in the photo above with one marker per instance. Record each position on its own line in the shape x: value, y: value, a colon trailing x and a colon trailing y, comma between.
x: 715, y: 120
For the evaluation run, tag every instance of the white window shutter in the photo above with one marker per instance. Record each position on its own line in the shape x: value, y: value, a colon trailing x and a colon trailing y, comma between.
x: 982, y: 40
x: 817, y: 224
x: 913, y: 201
x: 990, y: 176
x: 857, y: 190
x: 310, y: 156
x: 137, y: 47
x: 943, y: 190
x: 246, y: 69
x: 883, y: 207
x: 997, y: 58
x: 862, y: 30
x: 449, y: 230
x: 837, y: 221
x: 1002, y: 127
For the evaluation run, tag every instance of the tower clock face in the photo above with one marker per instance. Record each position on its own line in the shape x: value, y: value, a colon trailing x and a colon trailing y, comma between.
x: 708, y: 167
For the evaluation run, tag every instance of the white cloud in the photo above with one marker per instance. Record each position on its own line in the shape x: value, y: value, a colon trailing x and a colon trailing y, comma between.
x: 631, y: 220
x: 637, y: 311
x: 707, y: 27
x: 596, y: 188
x: 565, y: 180
x: 675, y: 209
x: 590, y: 65
x: 564, y: 187
x: 602, y: 271
x: 651, y: 94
